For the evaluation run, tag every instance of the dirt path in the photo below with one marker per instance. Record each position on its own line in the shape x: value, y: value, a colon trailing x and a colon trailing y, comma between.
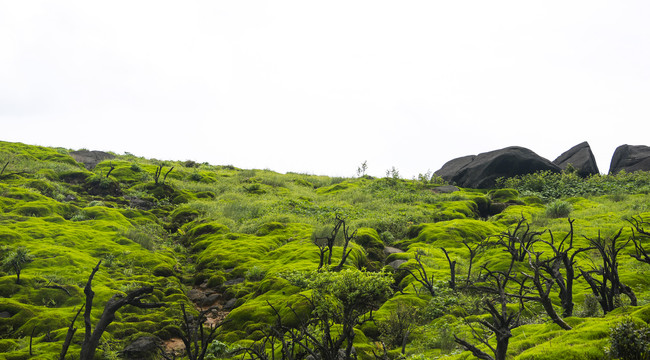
x: 204, y: 300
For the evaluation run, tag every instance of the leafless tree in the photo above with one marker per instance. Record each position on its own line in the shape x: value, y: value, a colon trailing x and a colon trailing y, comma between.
x: 156, y: 176
x: 92, y: 337
x: 607, y: 287
x: 195, y: 336
x: 420, y: 274
x: 563, y: 257
x: 643, y: 235
x: 542, y: 286
x: 502, y: 319
x: 519, y: 240
x: 326, y: 244
x: 473, y: 251
x: 452, y: 269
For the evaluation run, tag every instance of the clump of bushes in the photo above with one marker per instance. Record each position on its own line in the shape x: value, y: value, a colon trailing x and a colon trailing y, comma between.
x: 255, y: 273
x: 549, y: 185
x: 630, y: 340
x: 558, y: 209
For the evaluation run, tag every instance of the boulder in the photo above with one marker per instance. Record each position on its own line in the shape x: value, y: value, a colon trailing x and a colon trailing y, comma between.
x: 144, y: 347
x: 453, y: 167
x: 196, y: 295
x: 5, y: 315
x: 392, y: 250
x: 234, y: 281
x: 230, y: 304
x: 581, y: 158
x: 210, y: 299
x: 482, y: 171
x: 395, y: 264
x: 445, y: 189
x: 630, y: 158
x: 90, y: 158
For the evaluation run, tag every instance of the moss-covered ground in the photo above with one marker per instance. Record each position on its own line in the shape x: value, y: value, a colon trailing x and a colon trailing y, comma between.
x: 251, y: 235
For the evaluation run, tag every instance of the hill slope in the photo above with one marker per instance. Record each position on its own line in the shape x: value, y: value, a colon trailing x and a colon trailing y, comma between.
x: 250, y: 243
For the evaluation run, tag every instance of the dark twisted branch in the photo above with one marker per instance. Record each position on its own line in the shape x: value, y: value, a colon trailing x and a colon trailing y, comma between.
x: 638, y: 226
x: 92, y: 337
x: 608, y: 287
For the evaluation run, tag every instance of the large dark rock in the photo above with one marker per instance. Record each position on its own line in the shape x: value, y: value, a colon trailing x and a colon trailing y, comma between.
x: 482, y: 171
x: 452, y: 167
x: 90, y: 158
x: 144, y: 347
x: 581, y: 158
x: 630, y: 158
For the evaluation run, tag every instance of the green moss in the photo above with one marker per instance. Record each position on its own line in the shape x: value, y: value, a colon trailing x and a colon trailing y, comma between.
x: 452, y: 233
x: 163, y: 270
x: 20, y: 314
x: 503, y: 195
x: 205, y: 195
x: 211, y: 228
x: 482, y: 205
x: 269, y: 228
x: 181, y: 216
x: 368, y: 238
x: 337, y: 187
x: 75, y: 176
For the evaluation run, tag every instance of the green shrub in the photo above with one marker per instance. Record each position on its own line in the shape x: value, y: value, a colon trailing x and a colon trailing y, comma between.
x: 255, y: 273
x: 630, y: 340
x: 558, y: 209
x: 590, y: 306
x: 216, y: 350
x: 549, y: 185
x: 195, y: 176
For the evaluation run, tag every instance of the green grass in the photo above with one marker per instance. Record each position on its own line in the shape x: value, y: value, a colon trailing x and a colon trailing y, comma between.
x: 218, y: 223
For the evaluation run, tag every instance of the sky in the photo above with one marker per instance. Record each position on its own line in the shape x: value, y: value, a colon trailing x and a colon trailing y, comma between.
x: 319, y: 87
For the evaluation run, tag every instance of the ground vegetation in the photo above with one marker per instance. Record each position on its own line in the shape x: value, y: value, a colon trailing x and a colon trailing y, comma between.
x: 256, y: 264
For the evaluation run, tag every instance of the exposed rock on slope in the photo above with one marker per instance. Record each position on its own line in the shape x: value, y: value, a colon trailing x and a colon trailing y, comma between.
x: 581, y: 158
x: 452, y: 167
x: 482, y: 170
x: 630, y: 158
x: 90, y: 158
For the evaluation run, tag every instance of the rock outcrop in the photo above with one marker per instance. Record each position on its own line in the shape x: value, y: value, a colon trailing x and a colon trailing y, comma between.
x: 482, y: 171
x: 581, y: 158
x: 453, y: 167
x: 630, y: 158
x: 144, y: 347
x: 90, y: 158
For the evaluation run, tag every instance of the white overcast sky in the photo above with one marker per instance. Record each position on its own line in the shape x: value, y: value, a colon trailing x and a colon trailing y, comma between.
x: 319, y: 87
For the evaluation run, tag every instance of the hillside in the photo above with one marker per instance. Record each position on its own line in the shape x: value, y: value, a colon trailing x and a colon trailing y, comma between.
x: 292, y: 263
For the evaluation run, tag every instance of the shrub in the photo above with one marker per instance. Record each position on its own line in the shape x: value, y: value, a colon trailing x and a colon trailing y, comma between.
x: 439, y: 305
x: 255, y: 273
x: 15, y: 260
x: 216, y: 350
x: 558, y: 209
x: 397, y: 327
x: 195, y: 176
x: 630, y: 340
x: 590, y: 307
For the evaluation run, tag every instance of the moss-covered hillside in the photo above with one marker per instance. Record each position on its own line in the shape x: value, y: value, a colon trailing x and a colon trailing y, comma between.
x: 252, y: 244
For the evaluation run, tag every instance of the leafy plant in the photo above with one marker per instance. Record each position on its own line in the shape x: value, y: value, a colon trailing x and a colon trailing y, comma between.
x: 255, y: 273
x: 361, y: 170
x: 15, y: 260
x: 629, y: 340
x: 558, y: 209
x: 396, y: 329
